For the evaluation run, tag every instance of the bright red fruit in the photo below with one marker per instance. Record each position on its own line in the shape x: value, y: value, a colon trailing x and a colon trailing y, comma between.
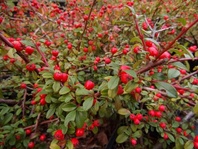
x: 17, y: 45
x: 139, y: 116
x: 153, y: 51
x: 195, y: 145
x: 151, y: 112
x: 107, y: 60
x: 42, y: 101
x: 28, y: 131
x: 96, y: 123
x: 23, y: 85
x: 136, y: 121
x: 33, y: 102
x: 138, y: 90
x: 162, y: 108
x: 120, y: 90
x: 148, y: 43
x: 42, y: 137
x: 165, y: 136
x: 31, y: 145
x: 162, y: 125
x: 31, y: 67
x: 158, y: 114
x: 114, y: 50
x: 178, y: 119
x: 133, y: 142
x: 136, y: 49
x: 196, y: 139
x: 55, y: 53
x: 80, y: 132
x: 74, y: 141
x: 29, y: 50
x: 64, y: 77
x: 89, y: 85
x: 57, y: 76
x: 179, y: 130
x: 58, y: 135
x: 165, y: 55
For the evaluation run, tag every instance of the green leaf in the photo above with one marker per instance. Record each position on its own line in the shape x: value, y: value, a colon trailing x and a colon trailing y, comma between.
x: 80, y: 118
x: 112, y: 93
x: 173, y: 73
x: 195, y: 109
x: 64, y: 90
x: 121, y: 129
x: 81, y: 91
x: 69, y: 107
x: 170, y: 136
x: 130, y: 86
x: 69, y: 145
x: 135, y: 39
x: 124, y: 111
x: 182, y: 20
x: 123, y: 22
x: 170, y: 90
x: 186, y: 51
x: 27, y: 42
x: 121, y: 138
x: 50, y: 112
x: 54, y: 146
x: 71, y: 116
x: 56, y: 86
x: 8, y: 117
x: 132, y: 73
x: 180, y: 65
x: 47, y: 75
x: 188, y: 144
x: 88, y: 103
x: 137, y: 134
x: 113, y: 82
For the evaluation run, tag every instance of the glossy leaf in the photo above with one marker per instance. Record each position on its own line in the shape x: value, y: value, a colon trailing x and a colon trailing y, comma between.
x: 173, y: 73
x: 64, y: 90
x: 113, y: 82
x: 88, y: 103
x: 124, y: 111
x: 121, y: 138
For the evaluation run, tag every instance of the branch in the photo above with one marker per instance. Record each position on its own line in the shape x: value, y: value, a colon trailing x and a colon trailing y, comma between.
x: 178, y: 37
x: 151, y: 65
x: 8, y: 101
x: 8, y: 43
x: 86, y: 23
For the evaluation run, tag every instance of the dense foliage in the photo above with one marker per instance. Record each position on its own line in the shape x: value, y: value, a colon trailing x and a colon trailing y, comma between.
x: 73, y: 75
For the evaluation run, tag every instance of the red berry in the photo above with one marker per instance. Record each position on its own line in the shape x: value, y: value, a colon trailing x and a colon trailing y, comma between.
x: 17, y: 45
x: 179, y: 130
x: 136, y: 121
x: 89, y: 85
x: 178, y: 119
x: 64, y: 77
x: 5, y: 57
x: 107, y: 60
x: 74, y: 141
x: 28, y: 131
x: 183, y: 71
x: 133, y: 142
x: 162, y: 125
x: 96, y: 123
x: 148, y: 43
x: 162, y: 108
x: 138, y: 90
x: 136, y: 49
x: 158, y: 114
x: 151, y: 112
x: 120, y: 90
x: 125, y: 51
x: 42, y: 137
x: 42, y: 101
x: 55, y: 53
x: 85, y: 17
x: 114, y: 50
x: 85, y: 50
x: 165, y: 136
x: 195, y: 145
x: 153, y: 51
x: 80, y: 132
x: 196, y: 139
x: 31, y: 145
x: 23, y: 85
x: 31, y: 67
x: 33, y: 102
x: 132, y: 116
x: 29, y: 50
x: 69, y: 46
x: 58, y: 135
x: 139, y: 116
x: 57, y: 76
x: 165, y: 55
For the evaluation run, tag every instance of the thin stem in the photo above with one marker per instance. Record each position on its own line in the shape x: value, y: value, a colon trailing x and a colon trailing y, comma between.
x: 86, y: 23
x: 8, y: 101
x: 178, y: 37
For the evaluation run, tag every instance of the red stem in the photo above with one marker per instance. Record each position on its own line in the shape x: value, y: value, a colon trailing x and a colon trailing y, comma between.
x: 178, y: 37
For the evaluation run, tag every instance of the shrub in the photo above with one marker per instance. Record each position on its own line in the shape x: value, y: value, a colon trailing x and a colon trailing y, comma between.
x: 69, y: 72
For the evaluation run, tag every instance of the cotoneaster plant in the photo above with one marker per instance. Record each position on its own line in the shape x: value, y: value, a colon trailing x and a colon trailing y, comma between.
x: 79, y: 75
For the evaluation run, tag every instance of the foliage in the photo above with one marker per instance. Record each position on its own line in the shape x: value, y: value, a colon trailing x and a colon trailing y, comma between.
x: 68, y: 72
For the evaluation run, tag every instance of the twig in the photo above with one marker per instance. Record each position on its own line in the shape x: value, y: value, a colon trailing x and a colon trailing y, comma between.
x: 86, y: 23
x: 8, y: 101
x: 178, y: 37
x: 23, y: 103
x: 42, y: 123
x: 37, y: 121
